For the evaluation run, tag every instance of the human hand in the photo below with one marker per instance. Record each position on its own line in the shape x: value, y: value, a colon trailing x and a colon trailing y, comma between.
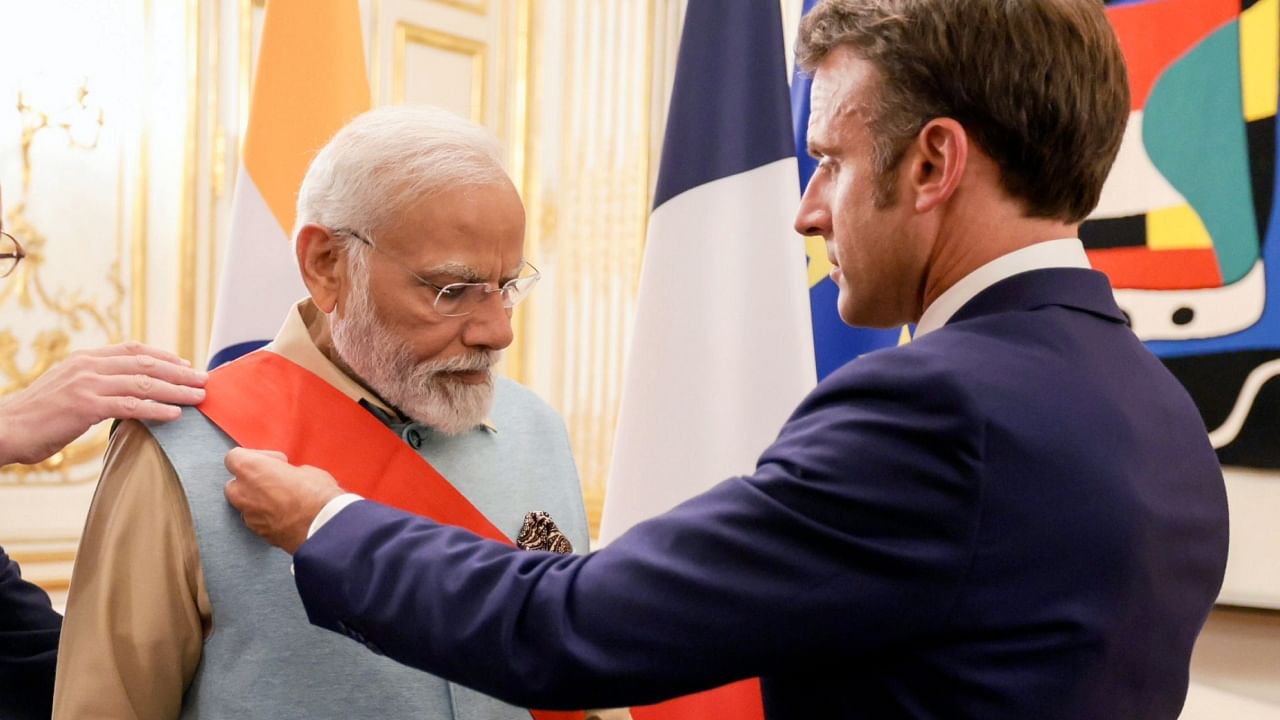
x: 278, y: 501
x: 126, y: 381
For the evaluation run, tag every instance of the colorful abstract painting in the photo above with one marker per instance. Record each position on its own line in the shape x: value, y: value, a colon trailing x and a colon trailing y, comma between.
x: 1187, y: 232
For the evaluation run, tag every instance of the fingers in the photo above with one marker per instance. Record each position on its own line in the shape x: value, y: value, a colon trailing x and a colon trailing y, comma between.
x: 240, y: 463
x: 114, y: 381
x: 245, y: 465
x: 233, y: 491
x: 135, y: 348
x: 146, y: 365
x: 245, y: 461
x: 132, y: 408
x: 145, y: 387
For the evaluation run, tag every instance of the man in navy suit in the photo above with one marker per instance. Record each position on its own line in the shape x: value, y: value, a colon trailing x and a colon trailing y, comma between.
x: 1016, y: 515
x: 126, y: 381
x: 29, y: 630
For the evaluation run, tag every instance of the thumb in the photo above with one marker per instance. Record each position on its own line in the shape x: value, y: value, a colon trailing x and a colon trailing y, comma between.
x: 240, y: 460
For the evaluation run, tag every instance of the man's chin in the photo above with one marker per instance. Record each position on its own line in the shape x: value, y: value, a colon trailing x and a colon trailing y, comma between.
x: 453, y: 407
x: 860, y: 315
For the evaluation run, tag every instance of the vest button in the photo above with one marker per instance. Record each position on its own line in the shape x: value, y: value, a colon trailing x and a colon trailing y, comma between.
x: 413, y: 436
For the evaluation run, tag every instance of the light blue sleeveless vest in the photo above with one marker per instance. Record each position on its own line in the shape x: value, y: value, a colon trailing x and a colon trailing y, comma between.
x: 264, y: 660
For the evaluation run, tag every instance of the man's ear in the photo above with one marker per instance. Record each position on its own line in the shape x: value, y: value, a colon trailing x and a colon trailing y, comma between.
x: 322, y: 262
x: 938, y: 163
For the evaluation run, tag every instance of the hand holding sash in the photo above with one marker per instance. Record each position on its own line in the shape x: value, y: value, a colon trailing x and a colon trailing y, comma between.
x: 277, y: 500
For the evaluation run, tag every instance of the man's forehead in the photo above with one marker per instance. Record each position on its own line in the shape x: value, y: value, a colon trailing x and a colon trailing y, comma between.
x: 828, y: 115
x: 839, y: 92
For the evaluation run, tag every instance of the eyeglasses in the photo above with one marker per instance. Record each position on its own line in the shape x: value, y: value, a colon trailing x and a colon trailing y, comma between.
x: 10, y: 249
x: 10, y: 253
x: 462, y: 298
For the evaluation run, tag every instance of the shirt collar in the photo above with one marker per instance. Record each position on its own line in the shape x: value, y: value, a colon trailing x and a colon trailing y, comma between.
x: 1067, y: 252
x: 304, y: 339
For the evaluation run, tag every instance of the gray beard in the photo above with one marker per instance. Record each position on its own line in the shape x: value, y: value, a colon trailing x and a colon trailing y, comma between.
x: 424, y: 391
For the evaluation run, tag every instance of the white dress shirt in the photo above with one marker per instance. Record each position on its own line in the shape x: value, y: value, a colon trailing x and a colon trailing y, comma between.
x: 1064, y: 253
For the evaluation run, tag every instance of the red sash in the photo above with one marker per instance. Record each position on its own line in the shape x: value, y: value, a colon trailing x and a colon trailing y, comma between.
x: 264, y: 401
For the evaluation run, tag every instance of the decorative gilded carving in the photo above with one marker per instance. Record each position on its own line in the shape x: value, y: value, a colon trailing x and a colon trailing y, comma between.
x: 73, y: 315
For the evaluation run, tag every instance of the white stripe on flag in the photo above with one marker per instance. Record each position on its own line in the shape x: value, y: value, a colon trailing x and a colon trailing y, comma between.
x: 723, y: 348
x: 260, y: 279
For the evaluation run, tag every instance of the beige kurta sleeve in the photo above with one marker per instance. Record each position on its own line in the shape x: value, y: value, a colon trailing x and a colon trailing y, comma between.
x: 137, y: 610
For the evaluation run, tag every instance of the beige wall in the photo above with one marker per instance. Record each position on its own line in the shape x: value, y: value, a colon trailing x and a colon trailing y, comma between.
x: 1237, y: 665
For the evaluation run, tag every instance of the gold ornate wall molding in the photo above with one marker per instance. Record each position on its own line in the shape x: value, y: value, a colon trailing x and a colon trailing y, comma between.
x: 407, y: 34
x: 142, y: 196
x: 207, y: 164
x: 219, y: 160
x: 587, y: 176
x: 189, y: 230
x: 479, y: 7
x: 524, y: 149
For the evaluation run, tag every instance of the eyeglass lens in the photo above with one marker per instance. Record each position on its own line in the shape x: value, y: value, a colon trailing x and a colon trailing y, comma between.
x: 463, y: 298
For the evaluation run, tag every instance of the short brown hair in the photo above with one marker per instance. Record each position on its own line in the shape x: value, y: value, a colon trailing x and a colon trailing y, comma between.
x: 1040, y: 85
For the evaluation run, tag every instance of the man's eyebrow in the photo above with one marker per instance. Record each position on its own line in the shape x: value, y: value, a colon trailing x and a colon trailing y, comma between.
x: 455, y: 270
x: 460, y: 272
x: 818, y: 150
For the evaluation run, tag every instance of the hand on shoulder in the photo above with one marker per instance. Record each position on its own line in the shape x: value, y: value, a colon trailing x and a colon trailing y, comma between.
x: 127, y: 381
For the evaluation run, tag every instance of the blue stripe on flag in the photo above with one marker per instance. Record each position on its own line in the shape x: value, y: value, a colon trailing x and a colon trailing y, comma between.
x: 800, y: 84
x: 703, y: 142
x: 227, y: 354
x: 834, y: 342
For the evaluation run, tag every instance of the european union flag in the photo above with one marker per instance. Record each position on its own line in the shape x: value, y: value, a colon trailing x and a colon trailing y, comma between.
x: 834, y: 343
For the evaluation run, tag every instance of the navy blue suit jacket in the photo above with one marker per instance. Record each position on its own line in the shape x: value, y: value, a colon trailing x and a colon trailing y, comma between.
x: 29, y: 630
x: 1018, y: 515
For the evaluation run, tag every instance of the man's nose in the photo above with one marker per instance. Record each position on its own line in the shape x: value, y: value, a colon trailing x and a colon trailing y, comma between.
x: 813, y: 217
x: 489, y: 325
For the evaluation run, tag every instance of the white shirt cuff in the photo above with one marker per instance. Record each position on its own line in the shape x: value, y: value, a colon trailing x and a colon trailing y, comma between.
x: 331, y: 508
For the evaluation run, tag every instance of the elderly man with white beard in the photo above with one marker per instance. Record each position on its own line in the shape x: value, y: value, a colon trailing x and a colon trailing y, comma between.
x: 409, y: 238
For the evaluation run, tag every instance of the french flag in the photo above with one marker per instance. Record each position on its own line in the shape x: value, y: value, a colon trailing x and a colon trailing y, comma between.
x: 722, y: 350
x: 301, y: 97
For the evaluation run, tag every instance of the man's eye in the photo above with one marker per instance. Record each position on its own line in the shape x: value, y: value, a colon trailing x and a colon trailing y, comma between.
x: 453, y: 292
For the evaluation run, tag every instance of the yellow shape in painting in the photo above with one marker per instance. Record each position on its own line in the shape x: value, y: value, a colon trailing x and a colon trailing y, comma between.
x: 819, y: 266
x: 905, y: 336
x: 1260, y: 58
x: 1177, y: 228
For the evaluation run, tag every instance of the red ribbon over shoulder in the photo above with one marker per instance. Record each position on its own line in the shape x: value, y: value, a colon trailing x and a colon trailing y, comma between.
x: 265, y: 401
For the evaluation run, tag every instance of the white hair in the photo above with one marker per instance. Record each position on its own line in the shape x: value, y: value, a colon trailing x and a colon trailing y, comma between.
x: 386, y: 157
